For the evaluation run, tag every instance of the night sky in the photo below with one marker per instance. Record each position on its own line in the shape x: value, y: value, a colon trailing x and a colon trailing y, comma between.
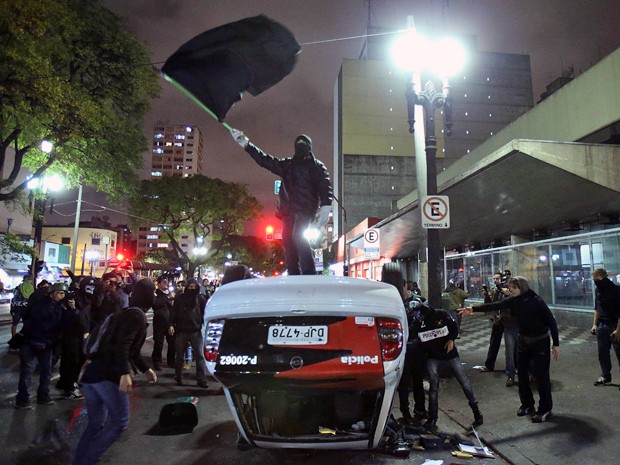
x: 555, y: 33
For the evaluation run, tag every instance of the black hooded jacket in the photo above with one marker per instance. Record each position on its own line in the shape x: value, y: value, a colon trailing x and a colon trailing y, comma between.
x: 129, y: 335
x: 305, y: 180
x: 607, y: 302
x: 188, y: 310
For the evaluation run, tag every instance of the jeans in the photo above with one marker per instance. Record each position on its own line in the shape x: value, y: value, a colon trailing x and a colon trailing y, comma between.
x: 108, y: 417
x: 457, y: 370
x: 511, y: 337
x: 196, y: 341
x: 536, y: 355
x: 605, y: 343
x: 297, y: 251
x: 28, y: 359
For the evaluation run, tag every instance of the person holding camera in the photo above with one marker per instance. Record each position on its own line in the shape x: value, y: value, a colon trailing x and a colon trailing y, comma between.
x: 503, y: 324
x: 42, y: 326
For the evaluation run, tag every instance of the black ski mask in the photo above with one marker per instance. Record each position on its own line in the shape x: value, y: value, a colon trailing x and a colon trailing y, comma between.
x: 303, y: 146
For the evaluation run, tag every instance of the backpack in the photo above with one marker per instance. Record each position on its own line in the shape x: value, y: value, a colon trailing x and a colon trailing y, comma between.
x: 98, y: 340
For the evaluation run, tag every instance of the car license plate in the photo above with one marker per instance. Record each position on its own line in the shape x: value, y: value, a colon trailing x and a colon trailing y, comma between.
x: 297, y: 335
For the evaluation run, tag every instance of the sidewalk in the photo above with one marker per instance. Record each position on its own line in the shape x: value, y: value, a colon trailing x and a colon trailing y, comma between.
x: 586, y: 423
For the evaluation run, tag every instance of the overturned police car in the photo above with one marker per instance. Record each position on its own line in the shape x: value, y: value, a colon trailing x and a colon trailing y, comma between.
x: 307, y: 361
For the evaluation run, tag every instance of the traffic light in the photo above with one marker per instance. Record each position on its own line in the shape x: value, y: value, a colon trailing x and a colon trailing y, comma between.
x: 120, y: 257
x: 269, y: 233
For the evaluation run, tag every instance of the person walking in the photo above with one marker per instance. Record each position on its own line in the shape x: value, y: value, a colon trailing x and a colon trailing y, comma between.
x: 305, y: 188
x: 535, y: 322
x: 107, y: 381
x: 162, y: 306
x: 42, y: 326
x: 186, y: 321
x: 606, y: 321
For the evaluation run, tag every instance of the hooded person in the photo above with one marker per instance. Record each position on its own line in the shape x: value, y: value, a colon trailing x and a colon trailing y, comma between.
x: 305, y: 197
x: 107, y: 381
x: 186, y: 321
x: 19, y: 302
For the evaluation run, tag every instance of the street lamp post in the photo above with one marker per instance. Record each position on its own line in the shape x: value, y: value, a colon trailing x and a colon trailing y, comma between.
x: 446, y: 58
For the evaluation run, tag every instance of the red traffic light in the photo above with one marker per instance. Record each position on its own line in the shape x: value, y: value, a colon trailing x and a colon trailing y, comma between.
x: 120, y: 257
x: 269, y: 233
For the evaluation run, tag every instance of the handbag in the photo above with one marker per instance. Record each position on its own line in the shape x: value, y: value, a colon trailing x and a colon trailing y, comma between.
x: 17, y: 341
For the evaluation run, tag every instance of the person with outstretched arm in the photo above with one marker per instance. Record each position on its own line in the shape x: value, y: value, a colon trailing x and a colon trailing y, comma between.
x: 536, y: 323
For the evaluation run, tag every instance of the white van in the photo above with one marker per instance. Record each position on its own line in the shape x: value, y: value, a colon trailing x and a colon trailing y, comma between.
x: 307, y: 361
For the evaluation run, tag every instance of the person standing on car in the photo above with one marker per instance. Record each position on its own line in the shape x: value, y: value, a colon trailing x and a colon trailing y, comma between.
x: 162, y: 306
x: 535, y: 322
x: 107, y: 381
x: 606, y: 321
x: 186, y: 321
x: 305, y: 188
x: 42, y: 326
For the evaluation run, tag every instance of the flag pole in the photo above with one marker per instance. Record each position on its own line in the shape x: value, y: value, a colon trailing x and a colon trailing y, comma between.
x: 195, y: 100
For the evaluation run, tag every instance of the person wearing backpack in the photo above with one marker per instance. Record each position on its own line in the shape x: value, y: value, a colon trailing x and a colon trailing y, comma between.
x: 107, y: 381
x: 19, y: 302
x: 186, y: 322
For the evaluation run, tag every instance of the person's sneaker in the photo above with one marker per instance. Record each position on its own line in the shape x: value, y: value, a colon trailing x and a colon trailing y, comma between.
x: 75, y: 394
x: 539, y: 417
x: 420, y: 414
x: 485, y: 369
x: 510, y: 381
x: 602, y: 381
x: 430, y: 425
x: 523, y: 410
x: 178, y: 381
x: 23, y: 405
x: 46, y: 401
x: 202, y: 384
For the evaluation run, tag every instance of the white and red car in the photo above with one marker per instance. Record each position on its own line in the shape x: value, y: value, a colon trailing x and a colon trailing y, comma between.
x: 307, y: 361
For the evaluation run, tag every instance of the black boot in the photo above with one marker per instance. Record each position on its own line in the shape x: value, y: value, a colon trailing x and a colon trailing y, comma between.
x: 478, y: 418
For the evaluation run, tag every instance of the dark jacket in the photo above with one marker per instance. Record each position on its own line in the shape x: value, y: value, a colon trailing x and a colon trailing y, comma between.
x: 188, y: 312
x: 436, y: 328
x: 607, y: 302
x: 533, y: 317
x: 42, y: 322
x: 162, y: 304
x: 129, y: 336
x: 305, y: 181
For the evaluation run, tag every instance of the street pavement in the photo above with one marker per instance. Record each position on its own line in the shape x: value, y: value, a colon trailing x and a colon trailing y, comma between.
x: 583, y: 430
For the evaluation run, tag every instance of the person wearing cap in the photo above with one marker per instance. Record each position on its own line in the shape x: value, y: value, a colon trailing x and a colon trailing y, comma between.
x: 42, y: 326
x: 162, y: 306
x: 304, y: 200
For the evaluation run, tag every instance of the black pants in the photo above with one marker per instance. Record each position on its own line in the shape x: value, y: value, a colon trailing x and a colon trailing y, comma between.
x: 160, y: 333
x: 71, y: 361
x: 297, y: 251
x: 497, y: 331
x: 537, y: 358
x: 414, y: 371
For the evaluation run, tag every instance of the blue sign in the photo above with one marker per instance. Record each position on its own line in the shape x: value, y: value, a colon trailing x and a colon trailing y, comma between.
x: 276, y: 186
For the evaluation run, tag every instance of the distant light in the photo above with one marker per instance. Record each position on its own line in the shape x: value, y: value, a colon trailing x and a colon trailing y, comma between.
x: 46, y: 146
x: 542, y: 258
x: 312, y: 234
x: 188, y: 128
x: 54, y: 182
x: 33, y: 183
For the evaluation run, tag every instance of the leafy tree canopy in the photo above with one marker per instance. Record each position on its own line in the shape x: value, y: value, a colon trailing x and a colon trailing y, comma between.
x: 72, y: 74
x: 200, y: 207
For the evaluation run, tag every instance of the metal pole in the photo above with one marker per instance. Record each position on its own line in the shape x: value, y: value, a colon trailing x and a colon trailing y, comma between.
x: 76, y: 230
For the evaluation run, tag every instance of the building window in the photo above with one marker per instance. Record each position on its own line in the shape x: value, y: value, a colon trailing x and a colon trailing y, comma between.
x: 65, y: 240
x: 51, y: 253
x: 179, y: 136
x: 95, y: 241
x: 162, y: 245
x: 152, y: 236
x: 153, y: 228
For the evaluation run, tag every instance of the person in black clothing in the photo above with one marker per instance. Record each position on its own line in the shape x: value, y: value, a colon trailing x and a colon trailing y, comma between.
x: 305, y: 186
x: 42, y: 325
x: 74, y: 326
x: 414, y: 368
x: 535, y: 322
x: 186, y: 322
x: 107, y: 381
x: 107, y: 300
x: 606, y: 321
x: 162, y: 306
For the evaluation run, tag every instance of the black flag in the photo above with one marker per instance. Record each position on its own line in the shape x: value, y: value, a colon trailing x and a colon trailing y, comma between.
x: 217, y: 66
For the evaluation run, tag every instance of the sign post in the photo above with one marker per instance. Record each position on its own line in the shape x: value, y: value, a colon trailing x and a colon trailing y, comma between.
x: 372, y: 244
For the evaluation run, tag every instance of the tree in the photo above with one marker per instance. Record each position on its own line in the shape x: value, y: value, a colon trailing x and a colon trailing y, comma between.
x: 72, y: 74
x: 261, y: 255
x: 12, y: 248
x: 208, y: 210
